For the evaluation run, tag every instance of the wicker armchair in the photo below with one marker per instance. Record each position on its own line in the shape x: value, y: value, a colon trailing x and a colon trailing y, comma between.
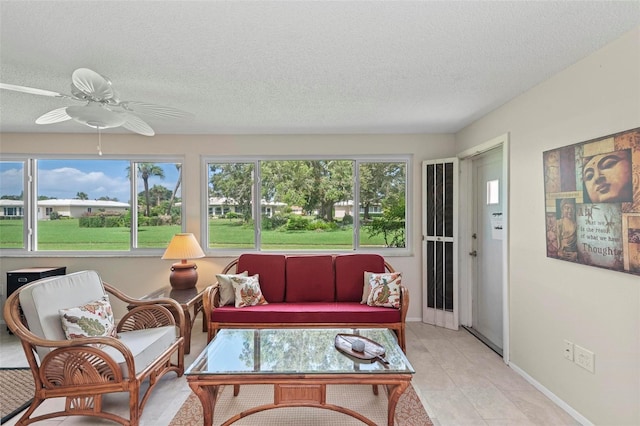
x: 149, y: 344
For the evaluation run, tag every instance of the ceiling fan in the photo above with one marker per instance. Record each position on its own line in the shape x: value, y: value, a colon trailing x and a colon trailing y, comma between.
x: 103, y: 108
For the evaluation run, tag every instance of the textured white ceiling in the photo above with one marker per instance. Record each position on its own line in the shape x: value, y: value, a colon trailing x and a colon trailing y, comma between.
x: 299, y: 66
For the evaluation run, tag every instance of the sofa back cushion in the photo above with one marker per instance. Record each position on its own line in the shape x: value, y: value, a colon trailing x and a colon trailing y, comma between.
x: 271, y: 268
x: 350, y: 269
x: 310, y: 279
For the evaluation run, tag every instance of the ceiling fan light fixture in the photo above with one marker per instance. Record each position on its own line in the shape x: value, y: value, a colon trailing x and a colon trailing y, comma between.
x: 96, y: 116
x: 103, y: 108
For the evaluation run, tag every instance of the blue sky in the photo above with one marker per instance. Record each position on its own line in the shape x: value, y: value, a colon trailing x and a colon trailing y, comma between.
x: 96, y: 178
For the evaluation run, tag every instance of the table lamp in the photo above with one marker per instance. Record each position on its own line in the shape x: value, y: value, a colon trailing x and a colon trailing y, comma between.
x: 183, y: 247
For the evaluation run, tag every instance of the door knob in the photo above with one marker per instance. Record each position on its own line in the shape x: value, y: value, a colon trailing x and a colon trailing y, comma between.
x: 473, y: 253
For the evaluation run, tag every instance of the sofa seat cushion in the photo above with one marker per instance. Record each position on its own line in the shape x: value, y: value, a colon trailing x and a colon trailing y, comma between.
x: 286, y: 313
x: 145, y: 346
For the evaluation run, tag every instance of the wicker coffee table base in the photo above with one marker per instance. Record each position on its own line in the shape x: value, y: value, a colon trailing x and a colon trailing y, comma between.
x: 296, y: 391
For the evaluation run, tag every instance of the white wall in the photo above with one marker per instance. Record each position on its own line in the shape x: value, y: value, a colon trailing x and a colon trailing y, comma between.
x: 138, y: 276
x: 552, y: 300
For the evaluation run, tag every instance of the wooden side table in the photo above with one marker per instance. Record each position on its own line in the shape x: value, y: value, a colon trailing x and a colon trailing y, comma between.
x: 189, y: 299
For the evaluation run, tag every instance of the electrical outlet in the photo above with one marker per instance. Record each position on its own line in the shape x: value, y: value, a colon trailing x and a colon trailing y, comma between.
x: 584, y: 358
x: 568, y: 350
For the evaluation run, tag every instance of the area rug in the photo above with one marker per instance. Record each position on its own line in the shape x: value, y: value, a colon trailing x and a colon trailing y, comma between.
x: 360, y: 398
x: 16, y: 391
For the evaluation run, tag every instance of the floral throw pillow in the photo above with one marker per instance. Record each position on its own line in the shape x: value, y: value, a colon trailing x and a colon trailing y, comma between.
x: 247, y: 291
x: 385, y: 290
x: 227, y: 292
x: 95, y: 319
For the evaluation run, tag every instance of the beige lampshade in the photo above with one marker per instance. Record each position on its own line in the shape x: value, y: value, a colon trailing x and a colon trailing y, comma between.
x: 183, y: 246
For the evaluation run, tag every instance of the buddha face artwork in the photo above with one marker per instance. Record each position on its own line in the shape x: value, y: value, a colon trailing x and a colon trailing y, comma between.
x: 607, y: 177
x: 592, y: 202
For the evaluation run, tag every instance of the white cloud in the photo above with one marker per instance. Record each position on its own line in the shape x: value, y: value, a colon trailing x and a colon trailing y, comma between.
x: 11, y: 182
x: 66, y: 182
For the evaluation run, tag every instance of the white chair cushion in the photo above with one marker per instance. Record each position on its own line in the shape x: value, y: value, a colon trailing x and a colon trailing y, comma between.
x: 145, y: 346
x: 42, y: 300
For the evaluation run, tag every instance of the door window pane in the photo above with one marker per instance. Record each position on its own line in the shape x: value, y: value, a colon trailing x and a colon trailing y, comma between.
x: 493, y: 192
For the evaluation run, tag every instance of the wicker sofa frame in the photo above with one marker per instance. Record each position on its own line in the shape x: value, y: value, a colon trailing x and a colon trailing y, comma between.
x: 211, y: 302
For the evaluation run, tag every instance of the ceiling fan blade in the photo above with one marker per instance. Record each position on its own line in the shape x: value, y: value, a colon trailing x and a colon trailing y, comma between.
x: 92, y: 84
x: 136, y: 124
x: 33, y: 91
x: 154, y: 110
x: 56, y: 116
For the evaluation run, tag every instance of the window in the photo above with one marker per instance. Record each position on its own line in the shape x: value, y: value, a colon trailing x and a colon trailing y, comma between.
x: 86, y: 204
x: 382, y: 204
x: 12, y: 211
x: 230, y: 187
x: 11, y: 199
x: 493, y: 192
x: 306, y: 204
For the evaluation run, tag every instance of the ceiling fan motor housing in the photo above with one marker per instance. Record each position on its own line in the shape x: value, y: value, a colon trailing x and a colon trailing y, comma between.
x: 95, y: 115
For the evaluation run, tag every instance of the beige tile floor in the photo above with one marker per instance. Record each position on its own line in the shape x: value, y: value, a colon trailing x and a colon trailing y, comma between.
x: 459, y: 380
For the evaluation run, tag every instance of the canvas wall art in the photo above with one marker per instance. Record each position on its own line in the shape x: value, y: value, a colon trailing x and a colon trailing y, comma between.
x: 592, y: 202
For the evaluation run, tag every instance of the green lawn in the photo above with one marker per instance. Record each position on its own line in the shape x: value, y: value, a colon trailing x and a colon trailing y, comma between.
x: 231, y: 233
x: 11, y: 233
x: 67, y: 235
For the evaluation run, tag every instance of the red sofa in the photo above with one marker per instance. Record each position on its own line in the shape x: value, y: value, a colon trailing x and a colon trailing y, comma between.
x: 323, y: 291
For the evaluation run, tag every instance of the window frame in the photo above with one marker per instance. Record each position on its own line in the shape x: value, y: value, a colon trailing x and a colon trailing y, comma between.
x: 30, y: 199
x: 407, y: 159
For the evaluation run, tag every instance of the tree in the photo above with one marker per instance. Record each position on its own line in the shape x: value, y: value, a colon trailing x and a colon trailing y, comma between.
x: 81, y: 196
x: 12, y: 197
x: 175, y: 189
x: 311, y: 184
x: 392, y: 222
x: 378, y: 181
x: 145, y: 171
x: 233, y: 182
x: 333, y: 182
x: 159, y: 194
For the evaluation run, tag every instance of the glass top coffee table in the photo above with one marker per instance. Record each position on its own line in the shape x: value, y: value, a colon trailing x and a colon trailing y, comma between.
x: 300, y: 363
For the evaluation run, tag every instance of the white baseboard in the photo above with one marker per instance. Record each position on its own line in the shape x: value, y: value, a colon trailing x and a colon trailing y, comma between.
x: 553, y: 397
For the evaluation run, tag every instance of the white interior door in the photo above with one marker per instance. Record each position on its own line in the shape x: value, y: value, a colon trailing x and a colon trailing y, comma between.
x: 439, y: 248
x: 487, y: 249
